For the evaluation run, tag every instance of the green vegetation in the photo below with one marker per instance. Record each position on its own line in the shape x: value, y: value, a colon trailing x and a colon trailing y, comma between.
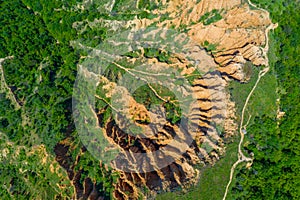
x: 146, y: 93
x: 90, y: 168
x: 147, y: 4
x: 161, y: 56
x: 183, y: 28
x: 206, y: 147
x: 193, y: 76
x: 275, y: 142
x: 248, y: 69
x: 24, y: 174
x: 213, y: 179
x: 209, y: 46
x: 148, y: 98
x: 41, y: 75
x: 210, y: 17
x: 262, y: 101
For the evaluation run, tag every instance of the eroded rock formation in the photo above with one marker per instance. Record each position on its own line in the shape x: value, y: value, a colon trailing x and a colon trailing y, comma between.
x: 221, y: 47
x: 238, y: 36
x: 141, y: 163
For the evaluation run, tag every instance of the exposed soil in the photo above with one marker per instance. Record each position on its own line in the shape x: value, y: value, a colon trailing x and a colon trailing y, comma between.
x: 82, y: 190
x: 226, y: 45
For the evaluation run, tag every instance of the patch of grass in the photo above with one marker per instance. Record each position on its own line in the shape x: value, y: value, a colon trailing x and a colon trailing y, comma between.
x: 147, y: 4
x: 123, y: 5
x: 162, y: 56
x: 210, y: 17
x: 207, y: 147
x: 239, y: 91
x: 213, y: 179
x: 165, y: 16
x: 147, y: 15
x: 147, y: 97
x: 263, y: 99
x: 183, y: 28
x: 210, y: 47
x: 248, y: 69
x: 193, y: 76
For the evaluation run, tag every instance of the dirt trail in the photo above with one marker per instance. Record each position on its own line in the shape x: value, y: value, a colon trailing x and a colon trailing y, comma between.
x: 241, y: 156
x: 271, y: 27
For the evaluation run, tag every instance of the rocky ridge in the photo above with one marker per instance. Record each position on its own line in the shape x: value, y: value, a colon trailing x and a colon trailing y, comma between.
x: 226, y: 43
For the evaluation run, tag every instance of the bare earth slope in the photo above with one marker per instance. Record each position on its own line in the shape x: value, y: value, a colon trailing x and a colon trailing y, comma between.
x: 225, y: 35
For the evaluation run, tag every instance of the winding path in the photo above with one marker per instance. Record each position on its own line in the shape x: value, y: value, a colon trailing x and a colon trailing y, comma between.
x: 241, y: 156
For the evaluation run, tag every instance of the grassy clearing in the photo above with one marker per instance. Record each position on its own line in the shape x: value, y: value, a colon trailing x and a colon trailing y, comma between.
x: 263, y: 99
x: 213, y: 179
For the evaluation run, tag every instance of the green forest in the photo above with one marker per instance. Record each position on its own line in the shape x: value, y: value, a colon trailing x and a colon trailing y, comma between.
x: 275, y: 173
x: 41, y: 75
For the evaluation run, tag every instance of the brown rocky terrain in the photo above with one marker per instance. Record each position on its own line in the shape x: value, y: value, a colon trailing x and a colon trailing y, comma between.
x: 221, y: 49
x: 206, y: 111
x: 238, y: 36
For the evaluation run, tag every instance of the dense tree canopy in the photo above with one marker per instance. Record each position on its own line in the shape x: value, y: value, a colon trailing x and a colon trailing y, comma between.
x: 275, y: 173
x: 42, y: 72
